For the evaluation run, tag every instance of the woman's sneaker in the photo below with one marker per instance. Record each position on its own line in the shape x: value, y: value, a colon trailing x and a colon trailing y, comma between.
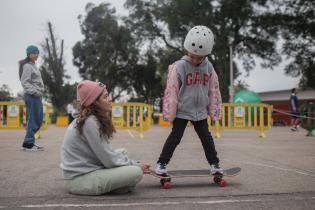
x: 160, y: 169
x: 215, y: 169
x: 34, y: 148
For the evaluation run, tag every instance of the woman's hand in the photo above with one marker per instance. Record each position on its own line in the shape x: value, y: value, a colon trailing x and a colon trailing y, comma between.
x: 145, y: 167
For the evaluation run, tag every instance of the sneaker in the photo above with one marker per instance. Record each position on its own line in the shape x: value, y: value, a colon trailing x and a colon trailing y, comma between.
x: 34, y: 148
x: 160, y: 169
x: 215, y: 169
x: 294, y: 129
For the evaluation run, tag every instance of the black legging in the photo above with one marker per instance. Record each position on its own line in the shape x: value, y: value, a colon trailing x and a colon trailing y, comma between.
x: 201, y: 127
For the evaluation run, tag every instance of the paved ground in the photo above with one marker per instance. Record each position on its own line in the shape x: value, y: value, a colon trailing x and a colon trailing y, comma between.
x: 278, y: 172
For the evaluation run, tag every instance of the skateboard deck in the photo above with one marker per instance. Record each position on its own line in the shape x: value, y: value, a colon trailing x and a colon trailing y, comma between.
x: 165, y: 180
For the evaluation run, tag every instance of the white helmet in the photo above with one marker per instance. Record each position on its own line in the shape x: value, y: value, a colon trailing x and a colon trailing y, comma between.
x: 199, y: 41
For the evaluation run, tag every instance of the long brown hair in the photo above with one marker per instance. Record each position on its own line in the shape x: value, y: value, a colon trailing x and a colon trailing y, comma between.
x: 106, y: 127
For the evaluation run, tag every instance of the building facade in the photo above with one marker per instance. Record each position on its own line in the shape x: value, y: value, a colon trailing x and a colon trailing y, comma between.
x: 280, y: 100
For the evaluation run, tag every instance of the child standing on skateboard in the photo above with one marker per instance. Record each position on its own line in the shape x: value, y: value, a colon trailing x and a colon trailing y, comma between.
x: 191, y: 94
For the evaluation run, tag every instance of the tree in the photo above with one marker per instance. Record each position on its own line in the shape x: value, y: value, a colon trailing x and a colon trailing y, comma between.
x: 5, y: 94
x: 53, y: 72
x: 296, y: 20
x: 240, y: 85
x: 239, y: 23
x: 108, y: 52
x: 147, y: 81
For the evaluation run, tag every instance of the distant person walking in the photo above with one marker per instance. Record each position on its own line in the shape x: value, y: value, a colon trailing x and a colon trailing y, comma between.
x: 33, y: 86
x: 294, y: 110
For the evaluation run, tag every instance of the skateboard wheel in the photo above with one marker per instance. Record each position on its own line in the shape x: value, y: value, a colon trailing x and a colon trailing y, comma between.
x: 167, y: 185
x: 162, y: 181
x: 223, y: 183
x: 217, y: 179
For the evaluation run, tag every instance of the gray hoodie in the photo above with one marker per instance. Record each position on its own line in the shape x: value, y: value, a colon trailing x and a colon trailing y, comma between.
x: 192, y: 91
x: 31, y: 80
x: 81, y: 154
x: 193, y: 95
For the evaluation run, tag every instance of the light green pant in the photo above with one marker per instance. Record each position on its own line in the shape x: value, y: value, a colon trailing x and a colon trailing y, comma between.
x: 118, y: 180
x: 121, y: 179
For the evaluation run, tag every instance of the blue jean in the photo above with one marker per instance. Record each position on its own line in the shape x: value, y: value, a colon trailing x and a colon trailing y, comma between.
x: 34, y: 111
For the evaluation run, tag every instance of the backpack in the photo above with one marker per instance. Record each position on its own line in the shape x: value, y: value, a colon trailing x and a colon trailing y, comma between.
x: 21, y: 64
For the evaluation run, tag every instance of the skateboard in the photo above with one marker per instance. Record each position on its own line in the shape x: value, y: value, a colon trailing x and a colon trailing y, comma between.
x: 166, y: 183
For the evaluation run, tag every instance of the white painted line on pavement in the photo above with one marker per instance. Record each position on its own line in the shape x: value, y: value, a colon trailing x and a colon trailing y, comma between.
x: 135, y: 204
x: 276, y: 167
x: 131, y: 134
x: 155, y: 203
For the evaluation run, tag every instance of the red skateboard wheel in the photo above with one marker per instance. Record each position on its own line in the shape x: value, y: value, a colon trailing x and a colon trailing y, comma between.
x: 167, y: 185
x: 223, y: 183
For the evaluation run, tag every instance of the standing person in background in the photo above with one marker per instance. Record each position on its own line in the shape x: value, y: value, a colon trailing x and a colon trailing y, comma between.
x: 191, y: 94
x: 70, y: 111
x: 33, y: 87
x: 294, y: 110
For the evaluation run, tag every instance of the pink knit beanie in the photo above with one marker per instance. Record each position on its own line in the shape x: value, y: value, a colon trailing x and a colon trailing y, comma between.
x: 88, y: 91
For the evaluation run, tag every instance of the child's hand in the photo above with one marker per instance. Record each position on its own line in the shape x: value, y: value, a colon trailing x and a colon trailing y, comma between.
x: 145, y: 167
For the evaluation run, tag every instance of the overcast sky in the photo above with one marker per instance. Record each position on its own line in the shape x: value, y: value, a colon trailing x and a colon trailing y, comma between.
x: 24, y: 22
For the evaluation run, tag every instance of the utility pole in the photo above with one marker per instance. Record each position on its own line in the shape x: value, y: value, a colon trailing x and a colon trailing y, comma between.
x: 231, y: 88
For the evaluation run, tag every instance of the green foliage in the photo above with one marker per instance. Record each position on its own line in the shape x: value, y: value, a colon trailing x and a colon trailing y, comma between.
x: 296, y: 20
x: 131, y: 54
x: 239, y: 21
x: 147, y: 83
x: 53, y: 73
x: 5, y: 94
x: 108, y: 52
x: 240, y: 85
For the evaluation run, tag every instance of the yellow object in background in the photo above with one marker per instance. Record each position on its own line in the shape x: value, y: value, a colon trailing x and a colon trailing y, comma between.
x: 13, y: 115
x: 163, y: 122
x: 62, y: 121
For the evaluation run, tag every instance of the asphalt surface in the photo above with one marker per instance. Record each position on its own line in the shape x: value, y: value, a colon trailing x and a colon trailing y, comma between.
x: 278, y: 172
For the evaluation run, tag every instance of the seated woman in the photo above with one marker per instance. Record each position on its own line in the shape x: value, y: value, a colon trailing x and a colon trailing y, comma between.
x: 90, y: 165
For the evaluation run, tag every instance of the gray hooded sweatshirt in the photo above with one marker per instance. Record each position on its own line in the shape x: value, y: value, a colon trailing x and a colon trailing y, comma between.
x: 81, y: 154
x: 31, y: 80
x: 193, y: 93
